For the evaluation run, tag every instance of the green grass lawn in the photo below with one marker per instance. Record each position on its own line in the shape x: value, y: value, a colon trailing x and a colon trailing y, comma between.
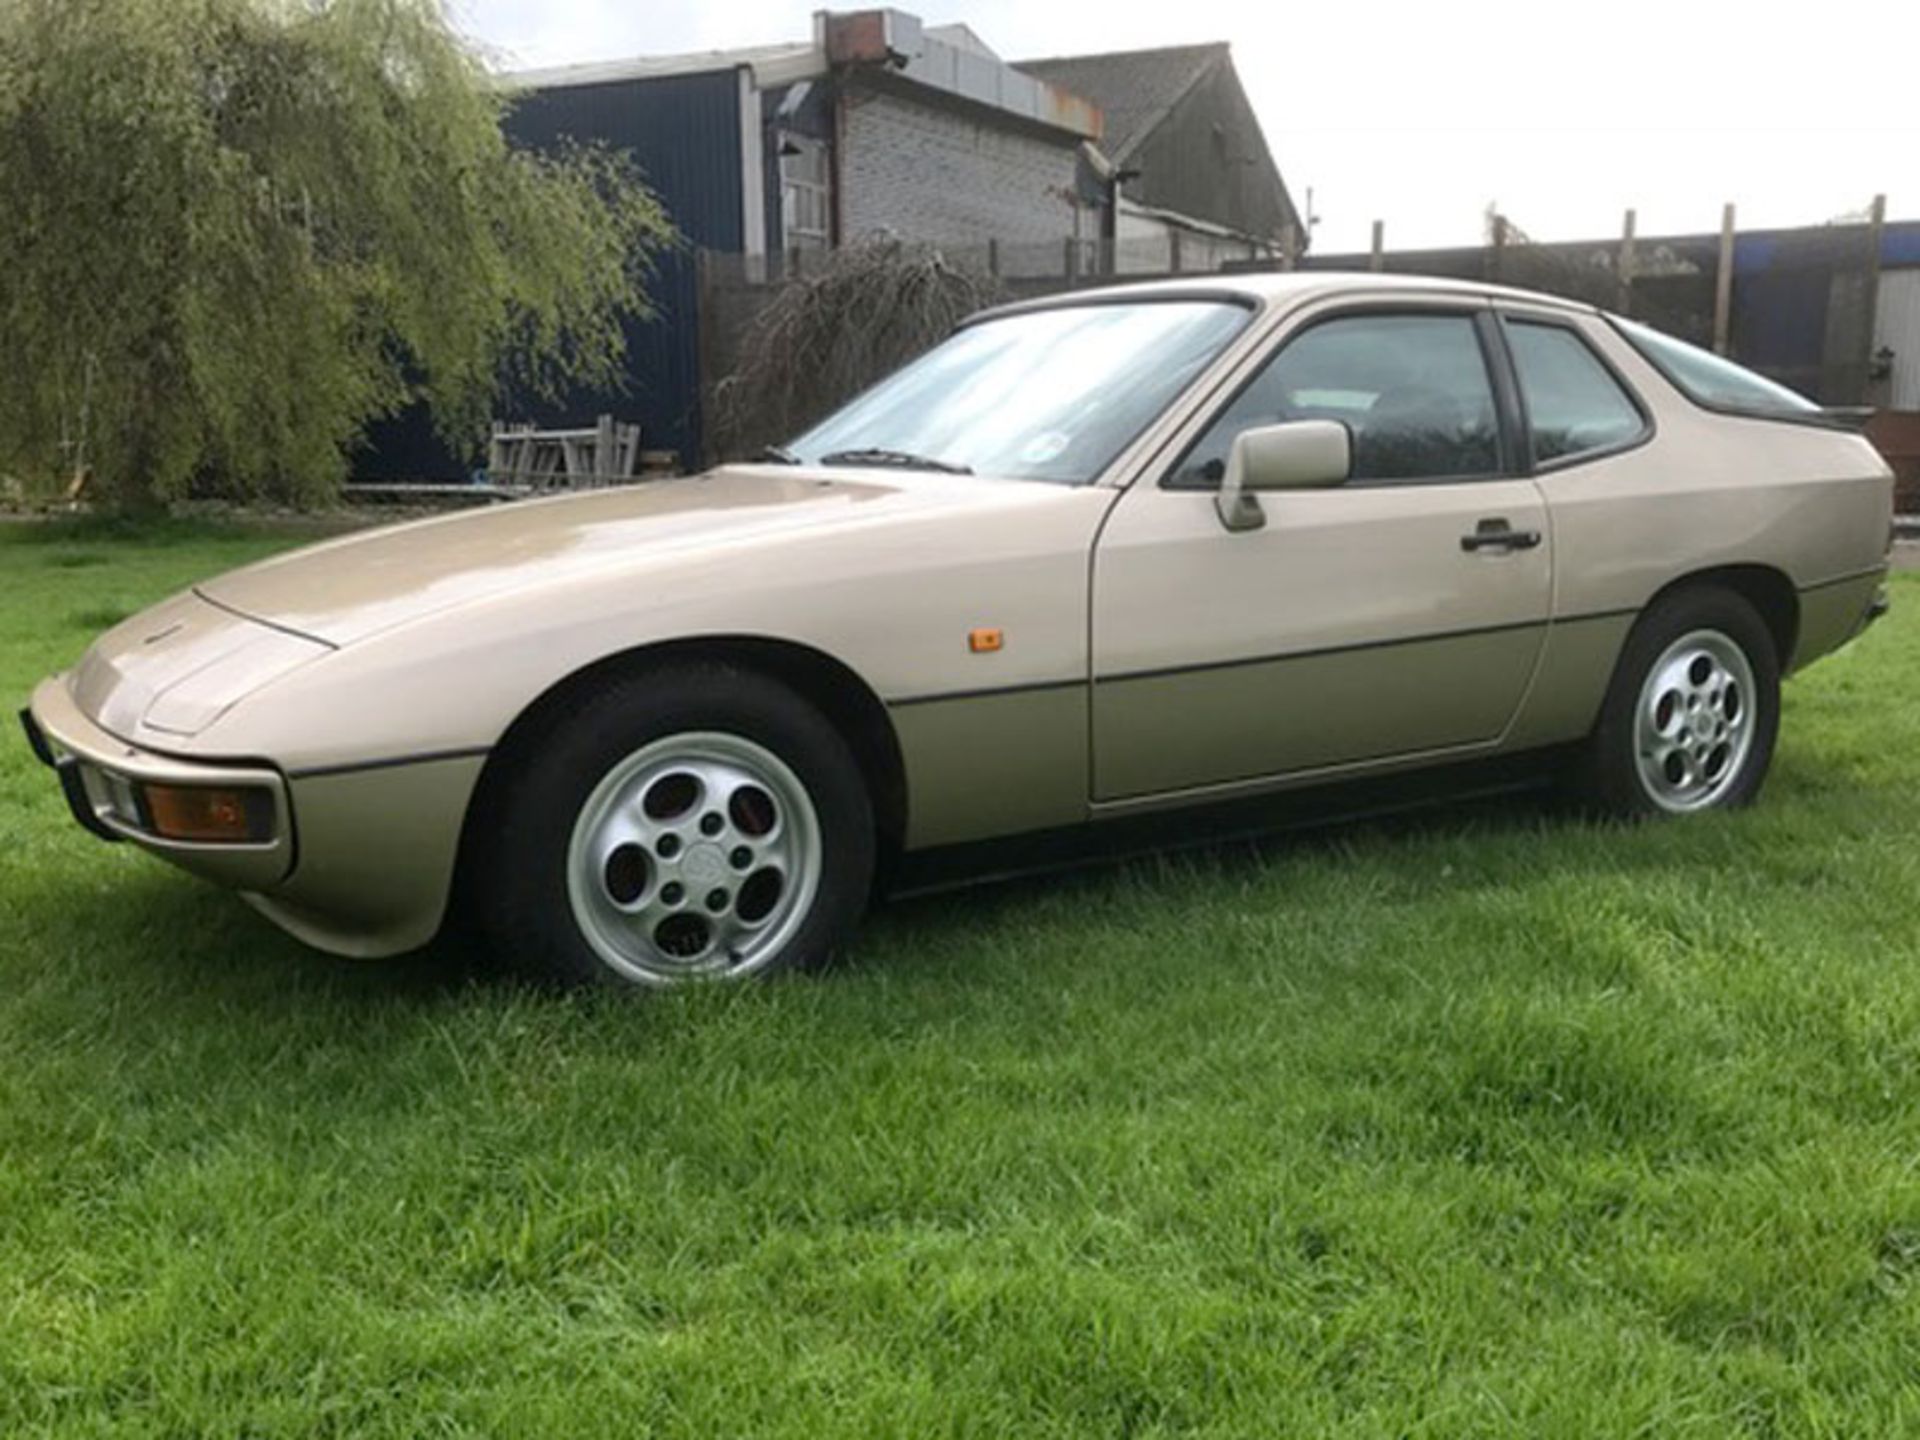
x: 1487, y: 1123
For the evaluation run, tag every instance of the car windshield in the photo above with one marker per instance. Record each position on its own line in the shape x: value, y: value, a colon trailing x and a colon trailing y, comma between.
x: 1045, y: 395
x: 1709, y: 380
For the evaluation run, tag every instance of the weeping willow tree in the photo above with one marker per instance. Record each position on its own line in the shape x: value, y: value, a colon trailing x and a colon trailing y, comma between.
x: 859, y: 314
x: 233, y: 233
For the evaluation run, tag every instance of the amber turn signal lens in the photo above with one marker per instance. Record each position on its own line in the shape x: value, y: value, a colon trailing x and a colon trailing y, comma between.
x: 208, y: 816
x: 985, y: 641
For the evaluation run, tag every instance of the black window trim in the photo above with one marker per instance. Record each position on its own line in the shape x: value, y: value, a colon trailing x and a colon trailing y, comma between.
x: 1516, y: 449
x: 1476, y: 309
x: 1649, y: 427
x: 1819, y: 418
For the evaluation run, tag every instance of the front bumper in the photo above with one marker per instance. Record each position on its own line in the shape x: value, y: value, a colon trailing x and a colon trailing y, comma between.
x: 376, y: 846
x: 99, y: 772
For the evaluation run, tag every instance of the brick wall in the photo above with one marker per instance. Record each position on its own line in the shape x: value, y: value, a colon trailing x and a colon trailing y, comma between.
x: 928, y: 172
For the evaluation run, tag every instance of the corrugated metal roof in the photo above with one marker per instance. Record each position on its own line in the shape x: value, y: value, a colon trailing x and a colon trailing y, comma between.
x: 1133, y: 88
x: 771, y: 65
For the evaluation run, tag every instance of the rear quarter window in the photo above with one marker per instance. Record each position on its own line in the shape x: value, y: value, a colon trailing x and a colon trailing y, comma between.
x: 1575, y: 406
x: 1714, y: 381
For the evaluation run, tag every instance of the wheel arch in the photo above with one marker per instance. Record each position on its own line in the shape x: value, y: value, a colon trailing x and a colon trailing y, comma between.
x: 827, y: 683
x: 1605, y: 767
x: 1766, y: 588
x: 1769, y: 590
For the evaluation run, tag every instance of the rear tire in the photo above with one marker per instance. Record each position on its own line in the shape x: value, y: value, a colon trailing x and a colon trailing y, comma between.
x: 695, y: 821
x: 1690, y: 719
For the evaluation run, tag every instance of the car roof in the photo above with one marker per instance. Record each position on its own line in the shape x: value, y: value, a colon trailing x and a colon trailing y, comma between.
x: 1289, y: 286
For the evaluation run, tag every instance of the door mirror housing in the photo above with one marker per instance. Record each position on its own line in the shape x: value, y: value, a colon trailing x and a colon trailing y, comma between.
x: 1298, y: 455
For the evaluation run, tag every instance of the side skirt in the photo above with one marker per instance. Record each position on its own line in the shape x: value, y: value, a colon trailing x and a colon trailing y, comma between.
x: 1109, y: 841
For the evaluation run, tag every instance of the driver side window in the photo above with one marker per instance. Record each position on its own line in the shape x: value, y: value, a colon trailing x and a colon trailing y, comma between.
x: 1412, y: 389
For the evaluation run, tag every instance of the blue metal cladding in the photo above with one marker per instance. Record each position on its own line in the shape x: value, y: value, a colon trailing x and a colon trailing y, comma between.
x: 1802, y: 304
x: 1779, y: 325
x: 683, y: 131
x: 1900, y: 244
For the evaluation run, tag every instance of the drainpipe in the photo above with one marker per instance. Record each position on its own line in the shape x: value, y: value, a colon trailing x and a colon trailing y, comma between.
x: 1112, y: 177
x: 836, y: 171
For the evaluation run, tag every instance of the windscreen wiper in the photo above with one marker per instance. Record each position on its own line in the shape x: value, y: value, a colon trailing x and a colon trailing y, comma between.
x: 777, y: 455
x: 897, y: 459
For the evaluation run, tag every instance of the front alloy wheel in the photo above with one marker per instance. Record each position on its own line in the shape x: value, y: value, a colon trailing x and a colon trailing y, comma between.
x: 692, y: 821
x: 698, y: 854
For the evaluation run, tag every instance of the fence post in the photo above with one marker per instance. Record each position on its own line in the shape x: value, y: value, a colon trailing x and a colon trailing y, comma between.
x: 1626, y: 263
x: 1173, y: 251
x: 1070, y: 259
x: 1870, y: 294
x: 604, y: 468
x: 1723, y: 285
x: 705, y: 366
x: 1377, y: 259
x: 993, y: 256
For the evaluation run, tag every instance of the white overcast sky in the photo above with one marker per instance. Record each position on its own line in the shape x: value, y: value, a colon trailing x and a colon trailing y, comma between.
x: 1423, y: 114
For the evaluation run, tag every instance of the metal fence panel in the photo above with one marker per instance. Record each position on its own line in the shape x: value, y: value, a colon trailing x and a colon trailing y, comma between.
x: 1897, y: 328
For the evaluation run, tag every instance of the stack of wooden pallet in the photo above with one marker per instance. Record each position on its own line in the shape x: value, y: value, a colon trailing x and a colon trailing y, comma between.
x: 525, y: 458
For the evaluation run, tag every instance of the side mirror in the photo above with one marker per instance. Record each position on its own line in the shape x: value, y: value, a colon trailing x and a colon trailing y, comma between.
x: 1299, y: 455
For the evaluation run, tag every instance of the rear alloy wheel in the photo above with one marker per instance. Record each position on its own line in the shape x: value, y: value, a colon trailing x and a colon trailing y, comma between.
x: 1690, y: 720
x: 692, y: 822
x: 1694, y: 723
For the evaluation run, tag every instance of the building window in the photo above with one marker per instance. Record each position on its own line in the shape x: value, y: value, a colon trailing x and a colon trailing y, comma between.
x: 806, y: 193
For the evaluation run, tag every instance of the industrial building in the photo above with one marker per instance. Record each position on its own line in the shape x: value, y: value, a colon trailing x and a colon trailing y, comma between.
x: 878, y: 124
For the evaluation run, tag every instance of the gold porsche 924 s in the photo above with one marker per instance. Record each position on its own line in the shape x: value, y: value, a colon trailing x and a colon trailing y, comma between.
x: 1110, y: 554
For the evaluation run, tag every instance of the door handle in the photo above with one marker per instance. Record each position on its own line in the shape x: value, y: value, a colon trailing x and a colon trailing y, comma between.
x: 1498, y: 535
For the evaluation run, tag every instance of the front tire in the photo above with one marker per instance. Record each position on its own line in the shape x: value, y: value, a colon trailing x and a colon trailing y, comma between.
x: 1691, y: 717
x: 691, y: 822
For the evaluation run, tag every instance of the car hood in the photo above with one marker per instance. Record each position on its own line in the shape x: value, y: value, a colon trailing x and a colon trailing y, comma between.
x: 347, y: 589
x: 172, y: 670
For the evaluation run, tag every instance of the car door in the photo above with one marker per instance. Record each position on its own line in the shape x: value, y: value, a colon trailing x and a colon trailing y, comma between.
x: 1623, y: 522
x: 1401, y: 613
